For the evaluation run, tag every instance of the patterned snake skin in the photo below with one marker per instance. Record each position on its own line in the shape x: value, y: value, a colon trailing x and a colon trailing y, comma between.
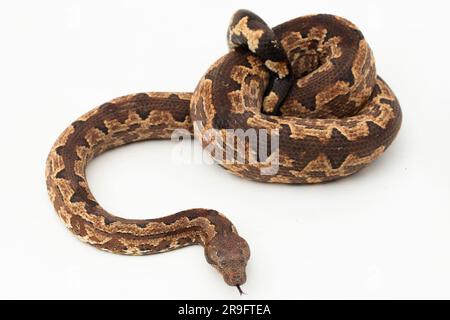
x: 311, y: 83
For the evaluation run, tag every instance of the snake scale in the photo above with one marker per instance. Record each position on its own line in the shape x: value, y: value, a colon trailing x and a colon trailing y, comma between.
x: 311, y: 82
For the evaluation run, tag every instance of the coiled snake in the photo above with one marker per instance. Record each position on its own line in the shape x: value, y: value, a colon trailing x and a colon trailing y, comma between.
x: 311, y: 83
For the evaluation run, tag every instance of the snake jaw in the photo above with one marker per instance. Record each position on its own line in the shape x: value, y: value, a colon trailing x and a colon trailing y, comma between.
x: 234, y: 275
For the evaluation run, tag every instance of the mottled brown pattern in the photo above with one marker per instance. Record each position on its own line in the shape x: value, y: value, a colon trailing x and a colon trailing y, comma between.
x: 337, y: 117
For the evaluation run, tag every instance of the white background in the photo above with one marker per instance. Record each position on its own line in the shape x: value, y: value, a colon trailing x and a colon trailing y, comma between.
x: 383, y: 233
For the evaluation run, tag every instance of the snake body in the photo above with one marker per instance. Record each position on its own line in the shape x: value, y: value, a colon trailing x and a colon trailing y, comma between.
x: 310, y: 82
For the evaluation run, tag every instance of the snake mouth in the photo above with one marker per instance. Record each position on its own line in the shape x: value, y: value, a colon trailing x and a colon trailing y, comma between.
x: 234, y: 278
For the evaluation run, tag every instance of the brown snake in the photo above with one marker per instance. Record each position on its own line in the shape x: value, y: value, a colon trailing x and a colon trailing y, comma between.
x: 311, y: 83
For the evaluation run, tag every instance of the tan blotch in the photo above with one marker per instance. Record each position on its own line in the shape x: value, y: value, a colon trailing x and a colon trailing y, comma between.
x: 252, y: 36
x: 280, y: 68
x: 270, y: 101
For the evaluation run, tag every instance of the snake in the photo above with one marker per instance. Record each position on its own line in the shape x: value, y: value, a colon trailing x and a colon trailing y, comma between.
x: 309, y: 84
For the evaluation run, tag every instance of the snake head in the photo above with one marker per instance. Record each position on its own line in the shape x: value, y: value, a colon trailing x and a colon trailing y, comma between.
x: 229, y: 254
